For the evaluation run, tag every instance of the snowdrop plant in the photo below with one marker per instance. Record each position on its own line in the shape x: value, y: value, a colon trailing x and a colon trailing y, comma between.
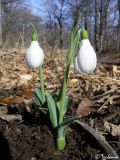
x: 34, y: 59
x: 52, y: 105
x: 85, y: 61
x: 34, y: 56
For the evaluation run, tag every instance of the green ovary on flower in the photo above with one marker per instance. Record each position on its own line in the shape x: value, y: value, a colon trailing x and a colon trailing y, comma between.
x: 84, y: 34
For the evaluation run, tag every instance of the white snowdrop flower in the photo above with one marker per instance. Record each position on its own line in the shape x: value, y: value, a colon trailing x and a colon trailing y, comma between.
x: 34, y: 56
x: 85, y: 61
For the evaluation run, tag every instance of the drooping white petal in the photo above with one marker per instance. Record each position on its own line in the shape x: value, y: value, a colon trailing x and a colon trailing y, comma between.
x: 34, y: 56
x: 86, y: 57
x: 77, y: 69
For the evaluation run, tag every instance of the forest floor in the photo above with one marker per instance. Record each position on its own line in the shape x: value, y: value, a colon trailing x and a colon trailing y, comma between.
x: 26, y: 135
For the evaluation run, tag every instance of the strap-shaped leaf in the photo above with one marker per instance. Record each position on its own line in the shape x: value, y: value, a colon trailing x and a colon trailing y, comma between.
x: 37, y: 101
x: 71, y: 53
x: 52, y: 110
x: 38, y: 94
x: 64, y: 126
x: 73, y: 40
x: 41, y: 106
x: 65, y: 105
x: 43, y: 110
x: 70, y: 120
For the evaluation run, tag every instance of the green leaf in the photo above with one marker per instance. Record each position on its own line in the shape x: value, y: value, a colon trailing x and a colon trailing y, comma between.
x: 54, y: 95
x: 64, y: 126
x: 38, y: 94
x: 65, y: 105
x: 70, y: 120
x: 52, y: 110
x: 44, y: 110
x: 74, y: 34
x: 37, y: 101
x: 70, y: 56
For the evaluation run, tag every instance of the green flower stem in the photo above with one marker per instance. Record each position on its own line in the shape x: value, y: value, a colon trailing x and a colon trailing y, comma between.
x: 42, y: 83
x: 61, y: 143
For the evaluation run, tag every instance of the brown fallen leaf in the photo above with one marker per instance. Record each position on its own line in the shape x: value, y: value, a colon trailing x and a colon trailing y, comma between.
x: 8, y: 118
x: 9, y: 101
x: 84, y: 107
x: 18, y: 100
x: 72, y: 82
x: 3, y: 110
x: 27, y: 92
x: 5, y: 100
x: 112, y: 129
x: 24, y: 79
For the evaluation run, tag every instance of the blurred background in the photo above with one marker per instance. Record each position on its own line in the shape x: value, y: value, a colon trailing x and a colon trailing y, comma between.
x: 53, y: 20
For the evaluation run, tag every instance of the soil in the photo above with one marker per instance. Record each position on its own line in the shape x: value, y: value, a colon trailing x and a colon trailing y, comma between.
x: 32, y: 139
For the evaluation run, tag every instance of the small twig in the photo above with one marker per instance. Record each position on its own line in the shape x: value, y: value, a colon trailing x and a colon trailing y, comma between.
x: 110, y: 116
x: 110, y: 63
x: 100, y: 99
x: 109, y: 99
x: 111, y: 79
x: 106, y: 93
